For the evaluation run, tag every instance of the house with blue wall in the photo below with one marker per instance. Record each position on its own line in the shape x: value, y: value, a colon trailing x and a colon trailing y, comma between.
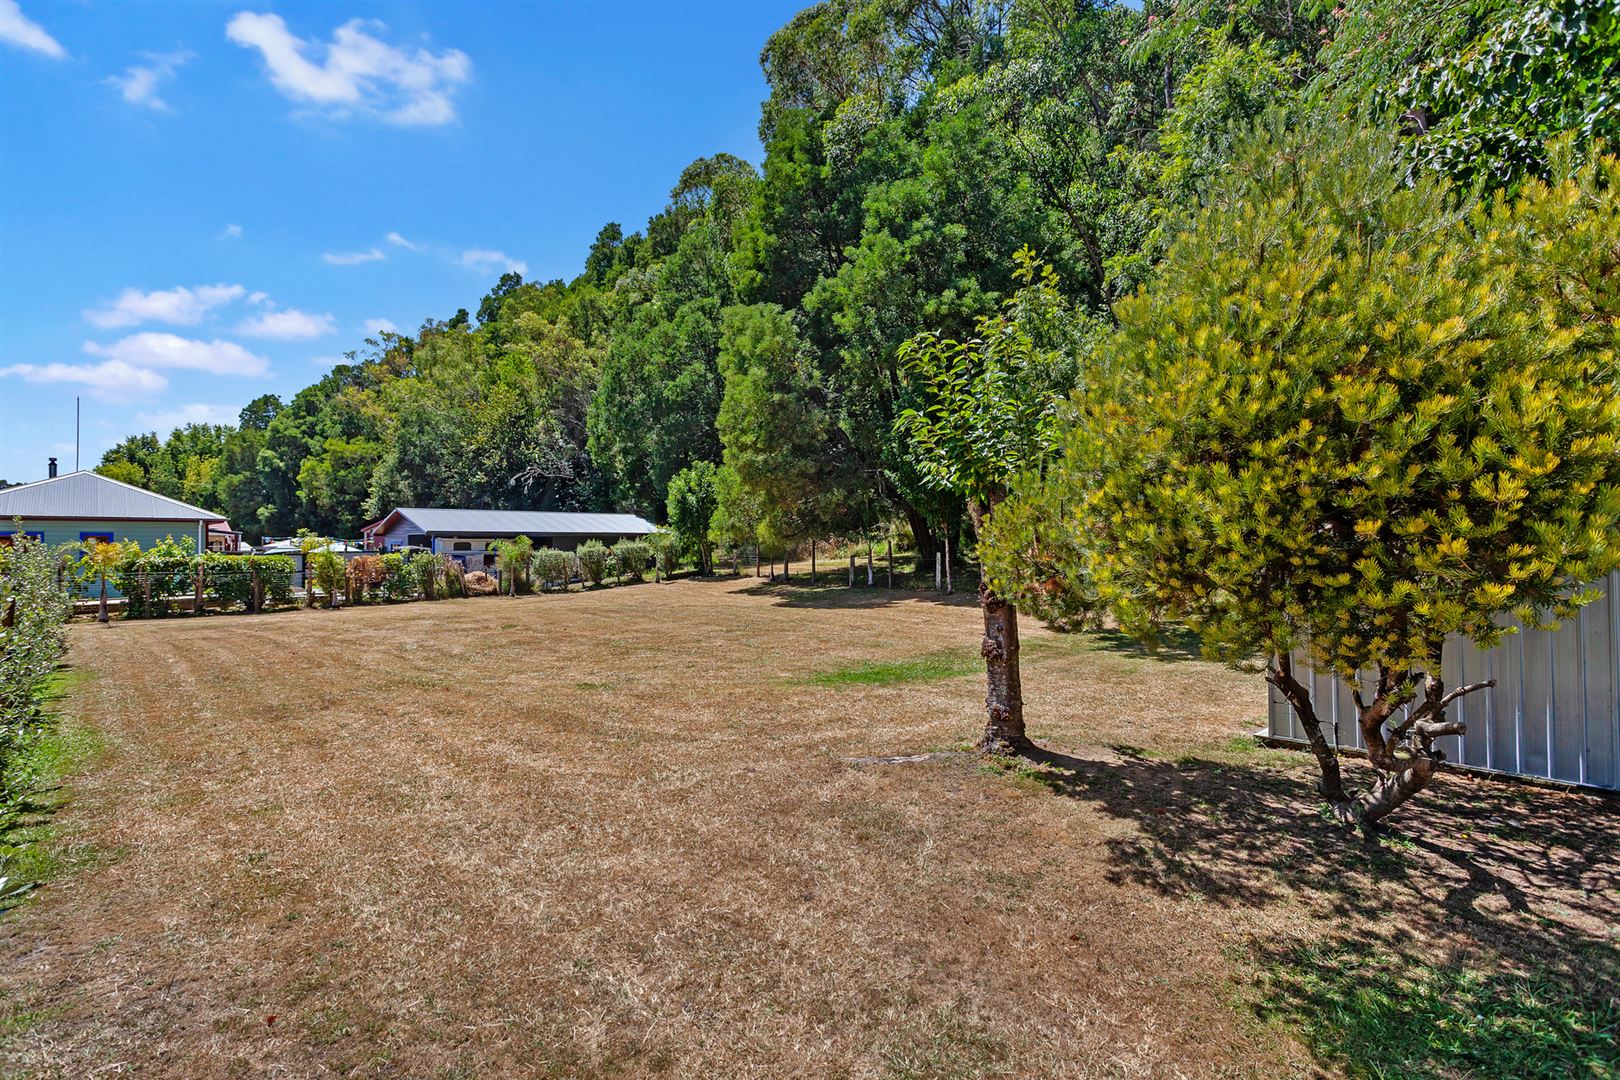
x: 77, y: 507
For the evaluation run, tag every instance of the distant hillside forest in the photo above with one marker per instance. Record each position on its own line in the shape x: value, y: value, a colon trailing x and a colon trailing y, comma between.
x: 749, y: 334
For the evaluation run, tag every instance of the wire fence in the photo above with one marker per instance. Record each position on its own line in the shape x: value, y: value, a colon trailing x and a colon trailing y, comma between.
x: 196, y: 587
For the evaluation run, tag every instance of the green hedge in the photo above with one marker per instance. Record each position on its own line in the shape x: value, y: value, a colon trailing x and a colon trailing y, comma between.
x: 30, y: 591
x: 552, y: 566
x: 595, y: 561
x: 632, y: 557
x: 167, y: 568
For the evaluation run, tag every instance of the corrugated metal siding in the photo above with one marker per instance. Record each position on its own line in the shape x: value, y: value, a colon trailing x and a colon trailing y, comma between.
x: 1554, y: 713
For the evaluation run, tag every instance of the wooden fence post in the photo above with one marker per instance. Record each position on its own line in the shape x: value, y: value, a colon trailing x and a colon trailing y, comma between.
x: 812, y: 560
x: 255, y: 589
x: 949, y: 586
x: 852, y: 569
x: 197, y: 592
x: 938, y: 573
x: 868, y: 562
x: 890, y: 544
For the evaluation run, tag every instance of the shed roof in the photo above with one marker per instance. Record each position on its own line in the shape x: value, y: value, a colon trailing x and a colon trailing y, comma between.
x: 497, y: 522
x: 87, y: 495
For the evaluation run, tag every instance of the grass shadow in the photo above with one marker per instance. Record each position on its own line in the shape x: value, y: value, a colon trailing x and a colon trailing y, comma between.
x: 1176, y: 644
x: 1483, y: 927
x: 1390, y: 1011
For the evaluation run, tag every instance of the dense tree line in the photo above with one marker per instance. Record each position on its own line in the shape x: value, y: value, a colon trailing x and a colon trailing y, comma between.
x: 755, y: 324
x: 1292, y: 322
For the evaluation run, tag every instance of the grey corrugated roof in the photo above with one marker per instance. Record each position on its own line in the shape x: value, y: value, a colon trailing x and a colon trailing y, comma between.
x: 538, y: 522
x: 91, y: 496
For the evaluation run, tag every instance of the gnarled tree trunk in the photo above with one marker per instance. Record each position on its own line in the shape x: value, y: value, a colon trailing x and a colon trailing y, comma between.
x: 1401, y: 752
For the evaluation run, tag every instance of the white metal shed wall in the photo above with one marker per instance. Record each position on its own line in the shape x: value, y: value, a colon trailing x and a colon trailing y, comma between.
x: 1554, y: 713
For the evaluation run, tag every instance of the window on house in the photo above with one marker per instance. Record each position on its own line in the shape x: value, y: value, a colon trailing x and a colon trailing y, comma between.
x: 99, y: 537
x: 461, y: 545
x: 6, y: 538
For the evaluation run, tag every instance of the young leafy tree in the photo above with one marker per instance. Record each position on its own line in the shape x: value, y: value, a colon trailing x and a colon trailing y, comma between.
x: 1353, y: 418
x: 737, y: 513
x: 308, y: 544
x: 513, y: 556
x: 692, y: 501
x: 99, y: 561
x: 985, y: 422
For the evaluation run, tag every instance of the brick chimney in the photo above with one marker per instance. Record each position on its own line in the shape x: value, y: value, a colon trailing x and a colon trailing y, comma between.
x: 50, y: 470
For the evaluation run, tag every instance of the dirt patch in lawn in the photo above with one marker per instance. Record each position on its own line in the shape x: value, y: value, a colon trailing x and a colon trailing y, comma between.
x: 720, y: 828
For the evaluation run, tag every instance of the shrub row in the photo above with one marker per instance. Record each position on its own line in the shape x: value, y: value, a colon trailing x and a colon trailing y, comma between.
x: 152, y: 578
x: 34, y: 608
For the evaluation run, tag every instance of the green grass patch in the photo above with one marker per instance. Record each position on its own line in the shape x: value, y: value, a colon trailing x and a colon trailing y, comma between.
x: 941, y: 665
x: 1379, y: 1015
x: 29, y: 853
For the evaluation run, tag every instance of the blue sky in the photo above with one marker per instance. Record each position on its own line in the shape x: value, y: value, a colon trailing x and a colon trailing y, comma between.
x: 201, y: 203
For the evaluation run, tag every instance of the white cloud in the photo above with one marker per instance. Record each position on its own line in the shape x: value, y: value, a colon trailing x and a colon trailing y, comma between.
x: 353, y: 258
x: 180, y: 305
x: 156, y: 350
x: 19, y: 30
x: 139, y: 83
x: 378, y: 327
x: 399, y: 241
x: 181, y: 415
x: 257, y: 298
x: 289, y: 324
x: 110, y: 380
x: 485, y: 259
x: 232, y: 232
x: 355, y: 72
x: 327, y: 361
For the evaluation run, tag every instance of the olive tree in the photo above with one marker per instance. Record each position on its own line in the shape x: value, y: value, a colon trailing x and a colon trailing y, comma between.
x: 984, y: 421
x: 1353, y: 416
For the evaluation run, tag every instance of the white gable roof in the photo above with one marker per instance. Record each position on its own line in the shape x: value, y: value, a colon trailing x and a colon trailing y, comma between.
x: 88, y: 495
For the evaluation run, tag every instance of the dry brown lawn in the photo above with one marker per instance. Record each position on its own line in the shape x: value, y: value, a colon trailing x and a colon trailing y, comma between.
x: 622, y: 833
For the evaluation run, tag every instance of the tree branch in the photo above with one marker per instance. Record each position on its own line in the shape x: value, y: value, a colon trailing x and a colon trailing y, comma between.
x: 1469, y: 689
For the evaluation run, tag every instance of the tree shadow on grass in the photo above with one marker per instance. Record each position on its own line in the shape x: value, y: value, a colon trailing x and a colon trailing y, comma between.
x: 1478, y: 935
